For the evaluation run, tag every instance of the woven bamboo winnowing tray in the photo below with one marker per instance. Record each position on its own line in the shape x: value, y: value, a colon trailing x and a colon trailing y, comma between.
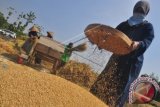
x: 108, y: 38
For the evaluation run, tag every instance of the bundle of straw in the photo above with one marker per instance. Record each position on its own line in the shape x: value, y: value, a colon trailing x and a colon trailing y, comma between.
x: 80, y: 48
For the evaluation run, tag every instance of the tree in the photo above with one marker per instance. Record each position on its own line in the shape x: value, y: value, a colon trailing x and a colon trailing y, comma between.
x: 27, y: 17
x: 152, y: 75
x: 30, y: 17
x: 22, y: 21
x: 11, y: 10
x: 3, y: 21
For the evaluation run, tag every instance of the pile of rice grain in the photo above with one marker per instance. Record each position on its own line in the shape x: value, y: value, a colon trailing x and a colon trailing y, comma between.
x: 79, y: 73
x: 6, y: 47
x: 21, y: 86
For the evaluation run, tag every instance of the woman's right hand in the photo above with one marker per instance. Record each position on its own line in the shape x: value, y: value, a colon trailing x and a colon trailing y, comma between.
x: 135, y: 45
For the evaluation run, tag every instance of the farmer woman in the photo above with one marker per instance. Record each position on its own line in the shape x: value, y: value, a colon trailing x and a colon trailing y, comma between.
x: 112, y: 85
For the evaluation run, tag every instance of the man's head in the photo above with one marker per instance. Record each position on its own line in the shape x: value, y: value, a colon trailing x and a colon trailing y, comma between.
x: 33, y: 32
x: 34, y: 29
x: 50, y: 34
x: 142, y: 7
x: 70, y: 45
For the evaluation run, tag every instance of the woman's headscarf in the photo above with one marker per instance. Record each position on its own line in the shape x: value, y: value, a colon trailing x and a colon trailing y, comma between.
x: 140, y: 11
x: 141, y: 7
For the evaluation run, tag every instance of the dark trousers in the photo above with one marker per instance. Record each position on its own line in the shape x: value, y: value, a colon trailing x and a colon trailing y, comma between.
x: 133, y: 75
x: 37, y: 59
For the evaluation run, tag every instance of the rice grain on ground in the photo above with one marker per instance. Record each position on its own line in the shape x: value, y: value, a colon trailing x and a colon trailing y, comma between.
x: 23, y: 86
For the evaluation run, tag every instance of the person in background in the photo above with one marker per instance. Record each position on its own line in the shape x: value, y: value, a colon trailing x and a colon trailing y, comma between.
x: 50, y: 34
x: 64, y: 58
x: 30, y: 42
x: 121, y: 71
x: 67, y: 53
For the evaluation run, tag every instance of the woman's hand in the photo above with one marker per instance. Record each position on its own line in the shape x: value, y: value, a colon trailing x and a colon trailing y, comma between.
x: 135, y: 45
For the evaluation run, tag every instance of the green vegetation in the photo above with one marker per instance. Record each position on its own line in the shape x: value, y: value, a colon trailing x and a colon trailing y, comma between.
x: 3, y: 22
x: 21, y: 22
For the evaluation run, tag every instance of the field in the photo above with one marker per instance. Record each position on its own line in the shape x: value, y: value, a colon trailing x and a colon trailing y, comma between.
x: 34, y: 86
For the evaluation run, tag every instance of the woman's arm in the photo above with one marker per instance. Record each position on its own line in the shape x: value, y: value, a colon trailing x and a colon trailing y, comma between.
x: 148, y: 37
